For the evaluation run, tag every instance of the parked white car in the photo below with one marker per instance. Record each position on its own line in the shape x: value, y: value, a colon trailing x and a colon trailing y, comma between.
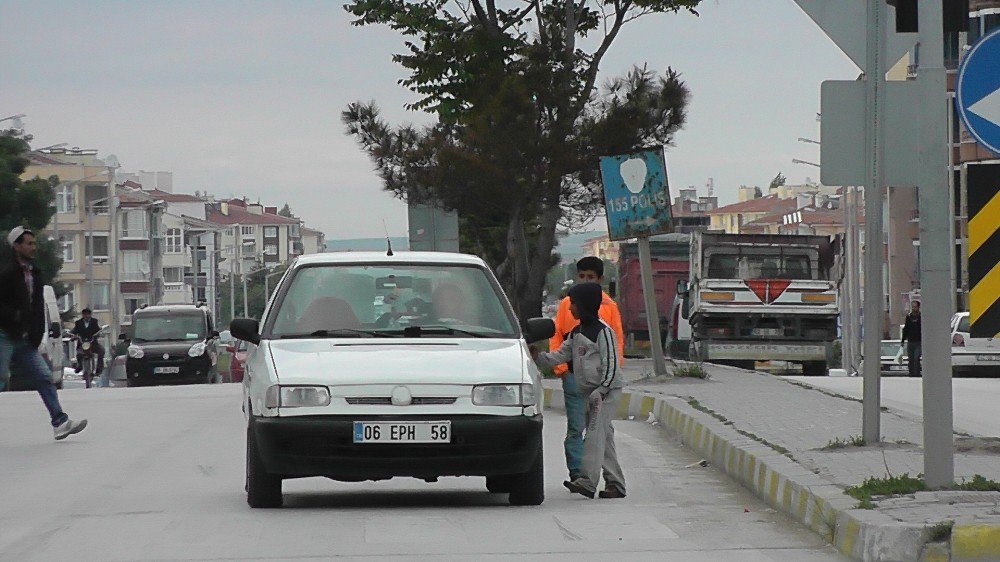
x: 972, y: 355
x: 440, y: 385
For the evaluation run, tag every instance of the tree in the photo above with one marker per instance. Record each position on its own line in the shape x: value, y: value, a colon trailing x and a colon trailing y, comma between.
x: 256, y: 299
x: 778, y: 181
x: 520, y: 119
x: 28, y: 203
x: 286, y: 211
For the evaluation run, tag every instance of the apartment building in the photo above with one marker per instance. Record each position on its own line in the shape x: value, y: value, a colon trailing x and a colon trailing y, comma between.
x: 82, y: 224
x: 256, y: 236
x: 313, y: 241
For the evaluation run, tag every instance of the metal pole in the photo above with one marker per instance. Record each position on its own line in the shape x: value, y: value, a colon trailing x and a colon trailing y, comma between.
x: 113, y: 253
x: 232, y: 289
x: 936, y: 251
x: 874, y: 192
x: 652, y: 318
x: 90, y: 255
x: 855, y: 273
x: 246, y: 309
x: 849, y: 310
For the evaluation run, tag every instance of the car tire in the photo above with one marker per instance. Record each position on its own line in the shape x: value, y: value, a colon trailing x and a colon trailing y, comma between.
x: 529, y: 488
x: 500, y: 484
x: 263, y: 488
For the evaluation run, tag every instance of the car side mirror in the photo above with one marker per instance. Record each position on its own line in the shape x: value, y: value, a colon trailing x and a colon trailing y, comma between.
x: 538, y: 329
x: 613, y: 289
x: 246, y: 329
x: 682, y: 287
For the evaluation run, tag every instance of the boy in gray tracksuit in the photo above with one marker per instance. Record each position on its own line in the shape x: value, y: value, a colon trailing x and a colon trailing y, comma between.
x: 592, y: 352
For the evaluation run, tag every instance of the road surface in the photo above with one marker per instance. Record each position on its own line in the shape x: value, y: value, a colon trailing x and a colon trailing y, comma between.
x: 159, y: 473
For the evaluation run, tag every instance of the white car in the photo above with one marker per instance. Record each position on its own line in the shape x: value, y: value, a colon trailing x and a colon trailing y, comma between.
x: 443, y: 385
x: 972, y: 355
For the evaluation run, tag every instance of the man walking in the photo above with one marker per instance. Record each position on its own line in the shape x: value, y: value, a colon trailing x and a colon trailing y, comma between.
x: 911, y: 337
x: 22, y: 325
x: 589, y: 269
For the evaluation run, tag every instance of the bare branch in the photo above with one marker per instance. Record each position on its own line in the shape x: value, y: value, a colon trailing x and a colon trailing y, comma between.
x: 481, y: 14
x: 491, y: 8
x: 521, y: 15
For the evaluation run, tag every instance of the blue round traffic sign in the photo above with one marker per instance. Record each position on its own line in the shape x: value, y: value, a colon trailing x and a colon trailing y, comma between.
x: 977, y: 94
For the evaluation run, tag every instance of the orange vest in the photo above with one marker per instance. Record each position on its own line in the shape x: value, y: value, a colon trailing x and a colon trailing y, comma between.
x: 565, y: 323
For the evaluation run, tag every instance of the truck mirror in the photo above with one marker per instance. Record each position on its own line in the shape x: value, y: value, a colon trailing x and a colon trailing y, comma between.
x: 682, y: 287
x: 613, y: 289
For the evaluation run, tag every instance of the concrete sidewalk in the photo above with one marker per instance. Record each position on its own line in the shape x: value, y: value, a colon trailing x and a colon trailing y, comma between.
x: 774, y: 437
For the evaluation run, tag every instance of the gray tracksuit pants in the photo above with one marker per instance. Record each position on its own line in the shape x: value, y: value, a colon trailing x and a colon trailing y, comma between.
x: 599, y: 445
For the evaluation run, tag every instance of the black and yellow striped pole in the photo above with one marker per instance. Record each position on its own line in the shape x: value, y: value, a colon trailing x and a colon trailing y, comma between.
x: 983, y: 181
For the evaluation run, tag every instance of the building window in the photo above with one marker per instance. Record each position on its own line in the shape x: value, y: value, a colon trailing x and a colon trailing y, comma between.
x: 68, y: 253
x: 247, y: 230
x: 134, y: 224
x: 134, y: 303
x: 173, y: 241
x: 98, y: 248
x: 96, y: 198
x: 66, y: 199
x: 99, y: 296
x: 271, y: 250
x: 294, y: 231
x: 201, y: 294
x: 270, y: 232
x: 67, y: 301
x: 173, y: 275
x: 135, y: 266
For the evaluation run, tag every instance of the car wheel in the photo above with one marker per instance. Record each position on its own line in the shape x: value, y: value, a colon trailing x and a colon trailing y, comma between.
x: 500, y: 484
x: 263, y: 489
x: 529, y: 488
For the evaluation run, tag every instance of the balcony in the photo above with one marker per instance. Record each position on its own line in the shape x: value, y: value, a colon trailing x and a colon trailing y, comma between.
x: 134, y: 276
x: 173, y: 287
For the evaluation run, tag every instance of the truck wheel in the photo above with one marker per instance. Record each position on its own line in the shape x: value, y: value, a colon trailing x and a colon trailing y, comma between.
x: 814, y: 369
x: 529, y: 488
x: 263, y: 489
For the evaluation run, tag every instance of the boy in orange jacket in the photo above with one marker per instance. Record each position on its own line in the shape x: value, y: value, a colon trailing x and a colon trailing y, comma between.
x: 588, y: 270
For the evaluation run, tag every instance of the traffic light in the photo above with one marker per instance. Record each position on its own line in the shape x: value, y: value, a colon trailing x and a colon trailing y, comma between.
x: 955, y: 12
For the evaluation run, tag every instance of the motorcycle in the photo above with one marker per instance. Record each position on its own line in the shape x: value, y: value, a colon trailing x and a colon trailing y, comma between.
x: 88, y: 357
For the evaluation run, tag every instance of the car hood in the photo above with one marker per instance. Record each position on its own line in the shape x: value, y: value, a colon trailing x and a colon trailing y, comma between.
x: 384, y: 361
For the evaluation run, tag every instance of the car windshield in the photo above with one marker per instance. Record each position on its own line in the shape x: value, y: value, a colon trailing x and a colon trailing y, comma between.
x: 169, y: 327
x: 963, y: 325
x: 351, y: 300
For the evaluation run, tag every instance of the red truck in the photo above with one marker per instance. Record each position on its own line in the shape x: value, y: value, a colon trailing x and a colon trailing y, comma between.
x: 671, y: 255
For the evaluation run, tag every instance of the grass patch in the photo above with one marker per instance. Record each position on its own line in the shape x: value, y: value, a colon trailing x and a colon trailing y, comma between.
x: 979, y: 483
x: 941, y: 532
x: 691, y: 370
x: 866, y: 503
x: 889, y: 486
x: 838, y: 443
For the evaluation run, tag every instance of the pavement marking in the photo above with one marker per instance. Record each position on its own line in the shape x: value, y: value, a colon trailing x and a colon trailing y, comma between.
x: 975, y: 542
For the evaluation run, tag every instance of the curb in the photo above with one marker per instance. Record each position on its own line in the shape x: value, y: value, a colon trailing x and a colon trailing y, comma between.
x: 805, y: 497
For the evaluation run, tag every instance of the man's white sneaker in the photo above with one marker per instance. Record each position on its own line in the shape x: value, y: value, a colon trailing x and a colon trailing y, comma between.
x: 69, y: 427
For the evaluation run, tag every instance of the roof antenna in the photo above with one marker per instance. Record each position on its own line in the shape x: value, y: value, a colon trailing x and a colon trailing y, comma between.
x: 388, y: 241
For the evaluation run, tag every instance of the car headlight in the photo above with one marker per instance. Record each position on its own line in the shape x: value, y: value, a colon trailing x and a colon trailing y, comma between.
x: 197, y: 349
x: 296, y: 396
x: 503, y: 395
x: 135, y: 352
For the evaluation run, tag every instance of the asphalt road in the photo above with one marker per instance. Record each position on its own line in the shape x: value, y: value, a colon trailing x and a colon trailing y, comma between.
x: 159, y: 473
x: 975, y: 400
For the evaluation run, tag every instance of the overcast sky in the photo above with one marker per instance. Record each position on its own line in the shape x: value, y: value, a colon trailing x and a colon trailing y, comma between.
x: 244, y: 98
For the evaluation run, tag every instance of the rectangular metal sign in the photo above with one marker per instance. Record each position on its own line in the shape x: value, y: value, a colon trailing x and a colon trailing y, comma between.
x: 983, y: 181
x: 636, y: 194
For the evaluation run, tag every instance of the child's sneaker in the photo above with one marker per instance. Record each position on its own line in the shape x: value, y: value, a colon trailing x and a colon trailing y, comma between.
x: 578, y: 488
x: 69, y: 427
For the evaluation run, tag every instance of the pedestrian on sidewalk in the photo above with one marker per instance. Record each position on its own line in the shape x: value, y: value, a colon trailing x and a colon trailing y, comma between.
x: 911, y: 337
x: 589, y: 269
x: 22, y: 325
x: 592, y: 347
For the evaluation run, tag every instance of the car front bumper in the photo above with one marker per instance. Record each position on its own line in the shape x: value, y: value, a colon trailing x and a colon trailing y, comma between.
x: 481, y: 445
x: 141, y: 372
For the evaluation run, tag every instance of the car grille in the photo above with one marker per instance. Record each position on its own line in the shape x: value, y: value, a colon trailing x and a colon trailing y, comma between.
x: 386, y: 401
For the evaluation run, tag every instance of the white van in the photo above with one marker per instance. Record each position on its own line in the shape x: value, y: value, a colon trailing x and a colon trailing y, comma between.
x: 51, y: 348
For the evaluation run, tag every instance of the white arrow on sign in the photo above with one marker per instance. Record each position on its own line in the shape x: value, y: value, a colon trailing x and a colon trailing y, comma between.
x: 988, y: 108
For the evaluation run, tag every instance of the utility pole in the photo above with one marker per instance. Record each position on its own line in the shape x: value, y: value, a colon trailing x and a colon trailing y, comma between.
x: 936, y: 248
x: 874, y: 192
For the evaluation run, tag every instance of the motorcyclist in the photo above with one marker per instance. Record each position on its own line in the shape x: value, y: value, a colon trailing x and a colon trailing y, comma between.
x: 87, y: 328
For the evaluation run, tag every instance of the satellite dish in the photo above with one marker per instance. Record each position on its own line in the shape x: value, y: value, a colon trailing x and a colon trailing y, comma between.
x: 112, y: 161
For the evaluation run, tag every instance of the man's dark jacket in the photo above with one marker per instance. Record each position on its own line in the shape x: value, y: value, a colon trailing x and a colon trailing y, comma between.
x: 85, y: 332
x: 19, y: 313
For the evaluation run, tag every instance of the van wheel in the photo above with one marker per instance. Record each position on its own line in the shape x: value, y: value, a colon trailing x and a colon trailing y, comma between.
x: 263, y: 489
x: 529, y: 488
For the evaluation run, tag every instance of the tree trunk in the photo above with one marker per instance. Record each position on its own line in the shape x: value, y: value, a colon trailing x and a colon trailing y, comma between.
x: 531, y: 268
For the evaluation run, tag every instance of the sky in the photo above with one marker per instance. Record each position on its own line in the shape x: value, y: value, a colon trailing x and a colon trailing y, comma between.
x: 244, y: 98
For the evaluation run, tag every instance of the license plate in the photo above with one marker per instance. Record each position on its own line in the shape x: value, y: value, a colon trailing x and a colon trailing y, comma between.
x: 403, y: 432
x: 988, y: 358
x: 166, y: 370
x: 768, y: 332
